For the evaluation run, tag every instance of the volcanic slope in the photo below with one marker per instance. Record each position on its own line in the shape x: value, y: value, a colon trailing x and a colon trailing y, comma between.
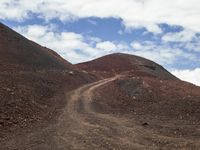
x: 125, y: 111
x: 162, y: 110
x: 136, y: 105
x: 119, y: 63
x: 17, y: 52
x: 33, y: 81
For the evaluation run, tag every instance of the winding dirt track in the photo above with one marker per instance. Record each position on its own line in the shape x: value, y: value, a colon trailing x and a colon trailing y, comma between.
x: 80, y: 127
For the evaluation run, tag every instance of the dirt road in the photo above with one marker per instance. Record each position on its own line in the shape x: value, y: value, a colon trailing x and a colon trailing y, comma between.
x: 80, y: 127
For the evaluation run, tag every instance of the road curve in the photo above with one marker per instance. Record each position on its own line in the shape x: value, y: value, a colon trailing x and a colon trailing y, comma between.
x: 80, y: 127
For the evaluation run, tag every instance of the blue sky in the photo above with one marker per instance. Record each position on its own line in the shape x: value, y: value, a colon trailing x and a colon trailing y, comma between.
x: 165, y: 32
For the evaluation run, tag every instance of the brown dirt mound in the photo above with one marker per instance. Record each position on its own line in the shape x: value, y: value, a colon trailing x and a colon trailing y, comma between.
x: 123, y: 63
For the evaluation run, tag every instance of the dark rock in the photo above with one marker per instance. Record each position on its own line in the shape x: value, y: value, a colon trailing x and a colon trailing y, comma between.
x: 145, y: 124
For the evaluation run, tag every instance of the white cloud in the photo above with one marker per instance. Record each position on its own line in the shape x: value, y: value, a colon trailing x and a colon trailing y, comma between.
x: 34, y: 31
x: 136, y: 45
x: 18, y: 9
x: 65, y: 43
x: 183, y: 36
x: 134, y: 13
x: 77, y: 48
x: 107, y: 46
x: 192, y: 76
x: 192, y: 46
x: 161, y: 53
x: 71, y: 46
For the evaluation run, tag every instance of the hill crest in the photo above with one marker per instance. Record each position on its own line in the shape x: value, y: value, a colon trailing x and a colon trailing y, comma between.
x: 124, y: 63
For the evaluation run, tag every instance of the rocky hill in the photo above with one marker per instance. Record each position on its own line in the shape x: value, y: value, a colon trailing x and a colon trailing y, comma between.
x: 119, y: 63
x: 147, y: 94
x: 33, y: 82
x: 118, y: 101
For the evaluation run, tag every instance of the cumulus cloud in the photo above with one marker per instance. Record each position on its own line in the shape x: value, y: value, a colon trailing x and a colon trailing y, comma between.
x: 136, y: 45
x: 107, y: 45
x: 71, y: 46
x: 18, y: 9
x: 77, y: 48
x: 67, y: 44
x: 183, y: 36
x: 134, y: 13
x: 192, y: 76
x: 161, y: 53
